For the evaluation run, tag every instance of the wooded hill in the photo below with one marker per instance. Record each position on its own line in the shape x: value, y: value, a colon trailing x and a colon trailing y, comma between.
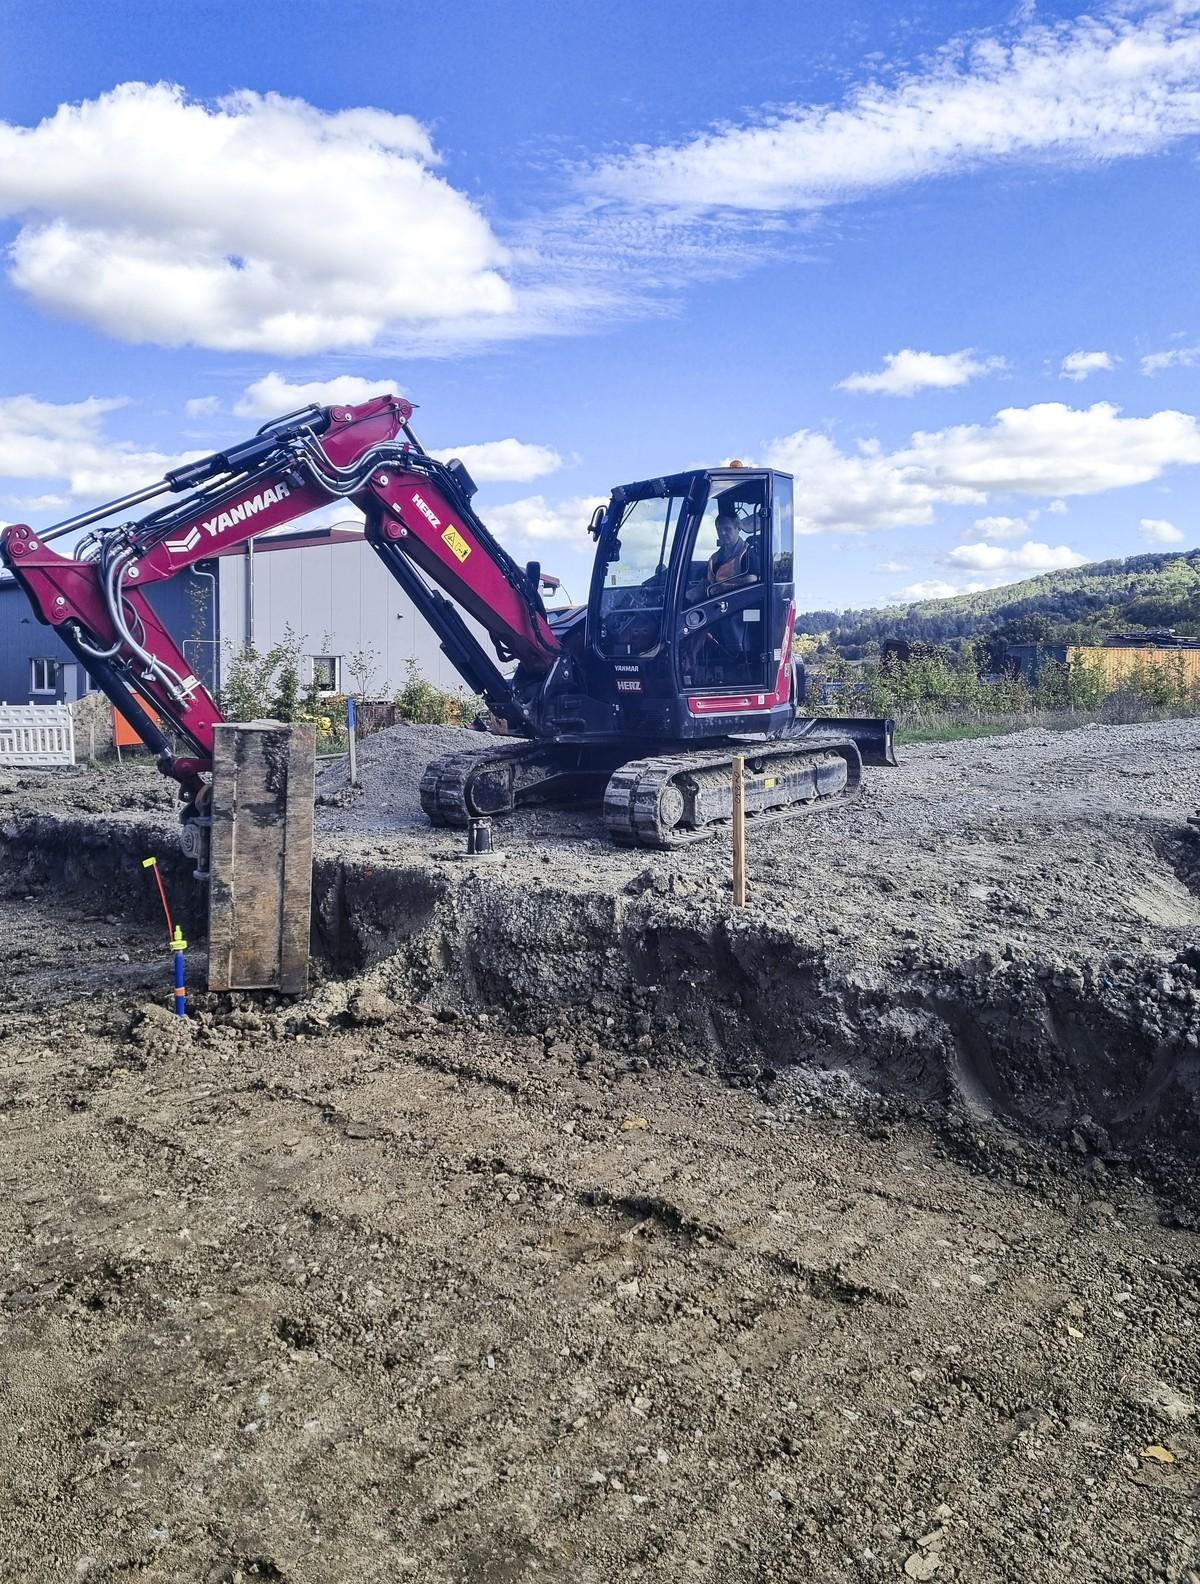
x: 1085, y: 605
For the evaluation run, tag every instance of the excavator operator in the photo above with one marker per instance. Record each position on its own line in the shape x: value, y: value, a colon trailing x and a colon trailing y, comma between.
x: 733, y: 565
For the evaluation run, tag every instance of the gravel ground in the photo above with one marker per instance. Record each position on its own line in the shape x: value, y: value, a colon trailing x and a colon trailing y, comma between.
x: 351, y: 1291
x: 360, y: 1289
x: 1068, y: 841
x: 1072, y: 843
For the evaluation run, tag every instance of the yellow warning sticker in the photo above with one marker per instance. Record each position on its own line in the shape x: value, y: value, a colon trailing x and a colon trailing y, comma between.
x: 458, y: 545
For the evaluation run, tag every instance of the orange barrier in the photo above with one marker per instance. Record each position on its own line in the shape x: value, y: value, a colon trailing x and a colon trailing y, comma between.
x: 124, y: 735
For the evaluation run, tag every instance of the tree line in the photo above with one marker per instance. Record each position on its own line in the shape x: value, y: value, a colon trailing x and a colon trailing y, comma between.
x: 1085, y: 605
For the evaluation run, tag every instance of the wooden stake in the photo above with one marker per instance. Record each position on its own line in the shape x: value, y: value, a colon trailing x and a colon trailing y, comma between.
x: 352, y: 738
x: 739, y: 830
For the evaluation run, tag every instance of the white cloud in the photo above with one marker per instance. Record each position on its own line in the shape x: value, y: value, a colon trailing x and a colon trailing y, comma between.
x: 492, y: 461
x: 533, y: 521
x: 275, y: 394
x: 1058, y: 508
x: 41, y: 503
x: 1156, y: 530
x: 1085, y: 90
x: 504, y: 461
x: 66, y: 443
x: 892, y: 566
x: 906, y: 372
x: 1047, y: 449
x: 1031, y: 557
x: 256, y: 223
x: 202, y: 406
x: 1078, y: 365
x: 940, y: 588
x: 836, y: 491
x: 1052, y: 449
x: 1177, y: 357
x: 998, y: 528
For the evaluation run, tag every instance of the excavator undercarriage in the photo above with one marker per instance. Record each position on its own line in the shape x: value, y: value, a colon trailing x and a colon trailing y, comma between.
x: 664, y: 801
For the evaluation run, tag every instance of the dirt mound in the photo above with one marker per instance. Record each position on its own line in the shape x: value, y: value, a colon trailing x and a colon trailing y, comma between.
x: 1008, y: 925
x: 136, y: 786
x: 390, y: 766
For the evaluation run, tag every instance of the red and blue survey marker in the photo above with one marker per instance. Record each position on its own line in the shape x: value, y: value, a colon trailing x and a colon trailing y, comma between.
x: 175, y: 941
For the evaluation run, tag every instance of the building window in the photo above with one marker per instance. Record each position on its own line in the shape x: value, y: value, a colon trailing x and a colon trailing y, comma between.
x: 43, y: 676
x: 327, y: 673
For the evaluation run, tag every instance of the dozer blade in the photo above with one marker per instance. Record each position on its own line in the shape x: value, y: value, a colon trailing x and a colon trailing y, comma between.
x: 874, y: 736
x: 682, y: 798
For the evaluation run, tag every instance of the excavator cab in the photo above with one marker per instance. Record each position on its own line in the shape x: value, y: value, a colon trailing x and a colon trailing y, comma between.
x: 691, y: 606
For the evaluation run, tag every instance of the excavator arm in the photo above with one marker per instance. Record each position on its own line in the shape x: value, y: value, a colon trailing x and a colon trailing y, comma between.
x: 419, y: 521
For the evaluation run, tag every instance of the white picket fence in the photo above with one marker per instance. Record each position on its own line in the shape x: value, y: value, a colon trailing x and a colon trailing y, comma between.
x: 36, y: 735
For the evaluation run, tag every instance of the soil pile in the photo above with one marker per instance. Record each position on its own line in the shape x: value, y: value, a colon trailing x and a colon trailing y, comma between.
x: 390, y: 766
x: 1071, y: 844
x: 1009, y: 925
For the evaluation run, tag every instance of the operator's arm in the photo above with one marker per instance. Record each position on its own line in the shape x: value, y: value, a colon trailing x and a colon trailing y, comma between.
x: 747, y: 580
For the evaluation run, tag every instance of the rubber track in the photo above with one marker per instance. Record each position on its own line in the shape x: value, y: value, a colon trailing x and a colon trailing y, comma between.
x: 632, y: 799
x: 446, y: 782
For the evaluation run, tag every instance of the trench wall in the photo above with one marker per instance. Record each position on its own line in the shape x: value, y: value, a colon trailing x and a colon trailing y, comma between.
x: 1051, y: 1049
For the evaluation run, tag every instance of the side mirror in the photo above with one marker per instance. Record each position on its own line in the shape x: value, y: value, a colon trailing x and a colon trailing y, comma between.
x: 597, y: 522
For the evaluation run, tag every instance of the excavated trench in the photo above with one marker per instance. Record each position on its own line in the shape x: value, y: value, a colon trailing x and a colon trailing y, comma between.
x: 1104, y: 1055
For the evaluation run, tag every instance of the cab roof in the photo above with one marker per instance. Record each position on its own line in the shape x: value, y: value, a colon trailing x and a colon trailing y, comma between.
x: 684, y: 483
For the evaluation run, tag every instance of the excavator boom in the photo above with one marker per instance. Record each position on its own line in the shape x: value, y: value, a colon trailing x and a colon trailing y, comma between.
x: 419, y: 516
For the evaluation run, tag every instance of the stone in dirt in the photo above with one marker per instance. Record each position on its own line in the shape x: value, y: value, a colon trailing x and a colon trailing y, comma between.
x: 367, y: 1006
x: 922, y: 1565
x: 1171, y: 1406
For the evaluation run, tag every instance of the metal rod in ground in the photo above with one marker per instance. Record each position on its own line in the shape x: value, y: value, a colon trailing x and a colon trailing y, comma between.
x: 179, y: 946
x: 352, y: 737
x: 739, y: 830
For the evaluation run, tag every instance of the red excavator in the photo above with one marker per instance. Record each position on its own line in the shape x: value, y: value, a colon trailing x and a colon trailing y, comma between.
x: 681, y: 657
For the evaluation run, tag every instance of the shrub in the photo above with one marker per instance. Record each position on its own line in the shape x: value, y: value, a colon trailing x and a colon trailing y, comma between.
x: 943, y: 687
x: 267, y: 687
x: 424, y: 704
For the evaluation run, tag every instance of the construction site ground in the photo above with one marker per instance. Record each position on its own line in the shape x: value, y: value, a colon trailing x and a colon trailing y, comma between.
x: 578, y: 1228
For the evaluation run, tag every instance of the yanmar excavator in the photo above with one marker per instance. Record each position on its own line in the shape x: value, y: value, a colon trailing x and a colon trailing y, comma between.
x: 638, y: 699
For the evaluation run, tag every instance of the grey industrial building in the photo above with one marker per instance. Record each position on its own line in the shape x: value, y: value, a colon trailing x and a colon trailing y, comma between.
x: 328, y: 587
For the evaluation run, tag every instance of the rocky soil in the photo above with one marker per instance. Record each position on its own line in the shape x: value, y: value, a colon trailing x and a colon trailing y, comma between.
x: 348, y: 1290
x: 1069, y: 843
x: 767, y: 1248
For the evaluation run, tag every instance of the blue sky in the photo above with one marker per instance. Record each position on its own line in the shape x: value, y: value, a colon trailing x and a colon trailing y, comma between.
x: 938, y: 260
